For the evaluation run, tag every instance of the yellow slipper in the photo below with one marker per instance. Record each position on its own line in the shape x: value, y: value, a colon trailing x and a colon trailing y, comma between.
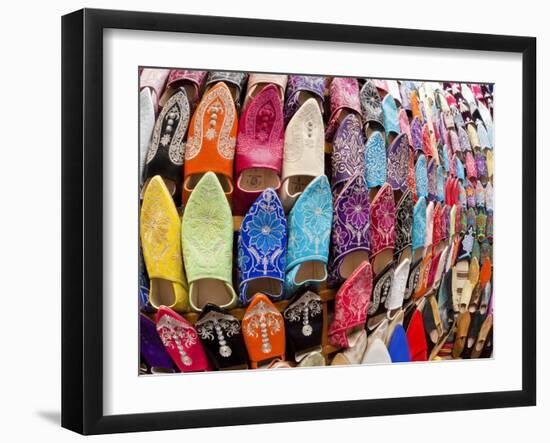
x: 160, y: 242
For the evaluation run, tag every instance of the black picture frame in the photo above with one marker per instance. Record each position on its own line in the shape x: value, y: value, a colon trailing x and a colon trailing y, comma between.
x: 82, y: 218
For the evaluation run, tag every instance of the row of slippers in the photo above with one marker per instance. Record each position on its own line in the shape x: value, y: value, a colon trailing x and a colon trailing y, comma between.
x: 447, y: 319
x: 278, y: 255
x: 269, y: 155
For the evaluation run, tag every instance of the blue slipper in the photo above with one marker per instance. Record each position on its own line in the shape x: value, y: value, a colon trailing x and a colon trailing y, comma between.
x: 309, y: 224
x: 399, y: 347
x: 262, y: 249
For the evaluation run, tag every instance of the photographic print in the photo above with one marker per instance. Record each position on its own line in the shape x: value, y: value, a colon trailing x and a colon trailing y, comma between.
x: 291, y: 221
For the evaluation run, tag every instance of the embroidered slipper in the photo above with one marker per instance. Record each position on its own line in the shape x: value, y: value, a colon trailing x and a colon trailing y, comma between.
x: 415, y: 106
x: 398, y: 347
x: 416, y: 135
x: 465, y: 296
x: 421, y: 176
x: 259, y: 151
x: 459, y: 279
x: 151, y: 85
x: 211, y: 140
x: 481, y: 224
x: 404, y: 125
x: 403, y: 227
x: 489, y: 164
x: 312, y: 359
x: 221, y: 335
x: 233, y: 80
x: 160, y: 241
x: 207, y: 242
x: 473, y: 137
x: 485, y: 116
x: 151, y: 348
x: 165, y: 154
x: 432, y: 180
x: 263, y: 330
x: 381, y: 85
x: 485, y: 273
x: 376, y: 353
x: 484, y: 331
x: 382, y: 241
x: 416, y: 337
x: 461, y: 334
x: 301, y: 88
x: 432, y: 322
x: 181, y: 341
x: 257, y: 82
x: 154, y: 81
x: 190, y: 81
x: 350, y: 231
x: 445, y: 301
x: 489, y: 197
x: 371, y: 108
x: 309, y: 224
x: 481, y: 166
x: 262, y: 249
x: 480, y: 195
x: 348, y: 153
x: 485, y: 298
x: 304, y: 152
x: 475, y: 326
x: 394, y: 90
x: 394, y: 301
x: 398, y: 163
x: 391, y: 120
x: 354, y: 354
x: 484, y: 141
x: 351, y: 305
x: 405, y: 89
x: 304, y: 325
x: 344, y: 99
x: 375, y: 160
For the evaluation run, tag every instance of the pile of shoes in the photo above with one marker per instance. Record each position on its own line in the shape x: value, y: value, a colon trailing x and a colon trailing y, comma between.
x: 291, y: 221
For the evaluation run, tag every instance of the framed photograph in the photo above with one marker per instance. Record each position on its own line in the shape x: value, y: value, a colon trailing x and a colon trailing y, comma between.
x: 270, y: 221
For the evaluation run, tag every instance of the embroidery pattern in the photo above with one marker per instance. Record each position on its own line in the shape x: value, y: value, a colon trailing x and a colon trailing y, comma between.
x: 382, y: 226
x: 299, y: 83
x: 375, y: 160
x: 404, y: 222
x: 263, y: 320
x: 175, y: 114
x: 348, y: 156
x: 305, y: 133
x: 176, y: 335
x: 302, y: 310
x: 217, y: 104
x: 398, y: 163
x: 216, y: 325
x: 381, y: 291
x: 371, y: 105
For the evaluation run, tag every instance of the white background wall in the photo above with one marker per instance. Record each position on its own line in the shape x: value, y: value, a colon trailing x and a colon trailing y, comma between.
x: 30, y: 91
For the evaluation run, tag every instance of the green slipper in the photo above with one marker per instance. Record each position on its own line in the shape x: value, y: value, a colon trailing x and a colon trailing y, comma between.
x: 207, y: 243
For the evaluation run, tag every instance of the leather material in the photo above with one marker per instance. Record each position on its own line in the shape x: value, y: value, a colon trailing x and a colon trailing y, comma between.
x: 263, y: 330
x: 160, y: 241
x: 221, y: 335
x: 404, y: 222
x: 304, y: 151
x: 375, y: 160
x: 299, y: 88
x: 350, y: 226
x: 151, y: 348
x: 371, y: 105
x: 155, y: 80
x: 181, y: 341
x: 207, y: 241
x: 419, y: 224
x: 257, y: 82
x: 351, y: 305
x: 399, y: 346
x: 416, y: 338
x: 399, y: 285
x: 398, y: 163
x: 382, y: 221
x: 260, y: 142
x: 421, y: 175
x: 348, y: 154
x: 235, y: 80
x: 146, y: 125
x: 344, y: 96
x: 376, y: 353
x: 211, y: 140
x: 304, y: 324
x: 309, y: 225
x: 182, y: 77
x: 262, y: 247
x: 391, y: 120
x: 166, y: 152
